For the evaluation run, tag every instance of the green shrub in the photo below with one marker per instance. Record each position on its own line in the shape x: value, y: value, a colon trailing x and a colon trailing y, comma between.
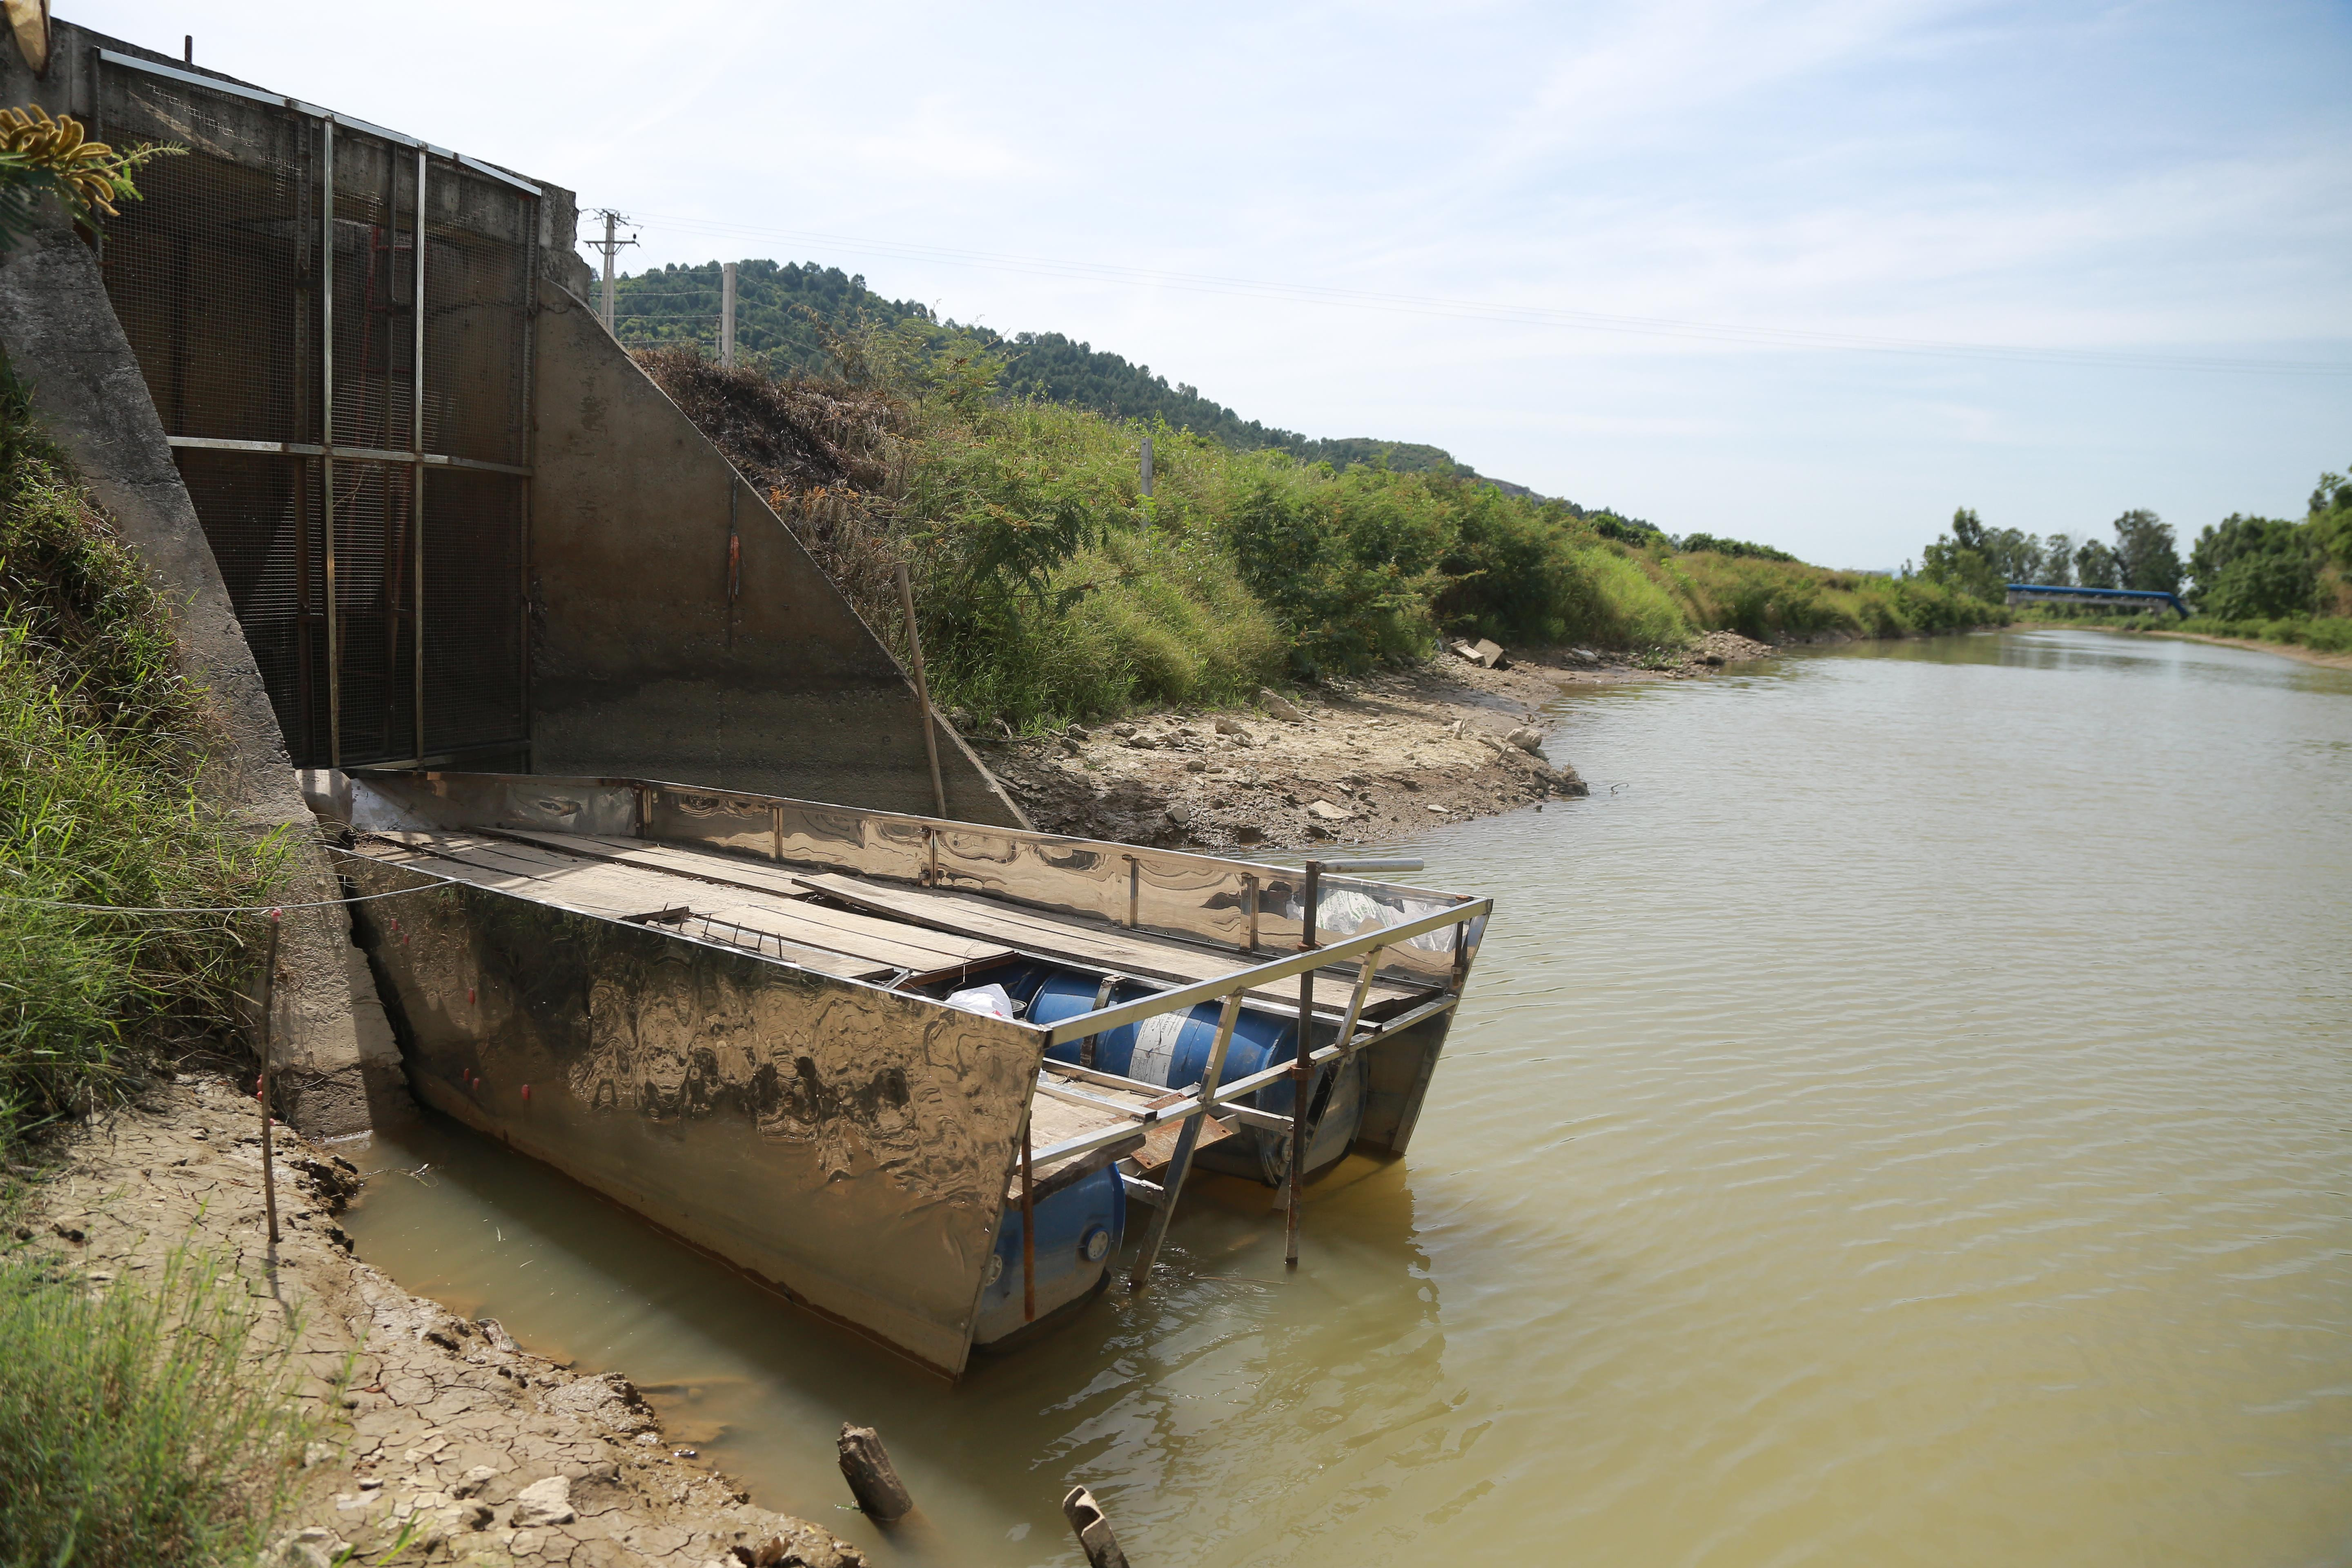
x: 145, y: 1425
x: 1049, y: 588
x: 1707, y: 544
x: 101, y: 803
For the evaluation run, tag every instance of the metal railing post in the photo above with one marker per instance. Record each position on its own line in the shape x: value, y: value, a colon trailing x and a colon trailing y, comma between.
x: 416, y: 473
x: 1180, y: 1161
x: 1028, y: 1222
x: 1301, y: 1072
x: 327, y: 435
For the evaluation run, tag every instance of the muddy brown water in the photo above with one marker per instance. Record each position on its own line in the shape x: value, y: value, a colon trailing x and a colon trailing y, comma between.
x: 1904, y: 1117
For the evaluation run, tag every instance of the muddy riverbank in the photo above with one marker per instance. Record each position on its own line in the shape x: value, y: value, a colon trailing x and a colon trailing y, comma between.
x: 443, y: 1428
x: 1347, y: 762
x: 2297, y: 651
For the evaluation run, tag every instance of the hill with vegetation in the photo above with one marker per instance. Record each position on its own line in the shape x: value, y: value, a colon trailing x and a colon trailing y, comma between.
x: 1048, y: 588
x: 784, y: 311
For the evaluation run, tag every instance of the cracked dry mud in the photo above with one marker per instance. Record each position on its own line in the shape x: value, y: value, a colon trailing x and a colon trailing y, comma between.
x: 447, y: 1430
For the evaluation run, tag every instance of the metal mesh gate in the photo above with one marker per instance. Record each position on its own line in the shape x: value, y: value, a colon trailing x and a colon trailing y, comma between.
x: 355, y: 437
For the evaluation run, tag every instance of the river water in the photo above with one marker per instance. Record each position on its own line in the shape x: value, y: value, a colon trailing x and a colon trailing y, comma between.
x: 1904, y: 1117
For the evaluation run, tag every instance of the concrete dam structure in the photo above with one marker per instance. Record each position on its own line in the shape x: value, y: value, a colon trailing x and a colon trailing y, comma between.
x: 659, y: 881
x: 342, y: 390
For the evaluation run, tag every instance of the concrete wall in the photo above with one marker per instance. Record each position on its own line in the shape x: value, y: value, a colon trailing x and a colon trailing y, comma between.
x: 59, y: 334
x: 644, y: 665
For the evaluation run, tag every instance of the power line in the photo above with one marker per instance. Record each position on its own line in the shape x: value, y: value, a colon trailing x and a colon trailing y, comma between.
x: 1533, y: 315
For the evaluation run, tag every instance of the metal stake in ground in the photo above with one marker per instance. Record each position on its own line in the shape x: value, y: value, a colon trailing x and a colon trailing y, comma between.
x: 1301, y: 1072
x: 1093, y: 1530
x: 873, y: 1480
x: 922, y: 689
x: 269, y: 999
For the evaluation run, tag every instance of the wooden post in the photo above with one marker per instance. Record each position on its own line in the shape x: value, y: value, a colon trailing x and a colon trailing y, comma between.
x: 269, y: 1000
x: 1093, y: 1530
x: 922, y: 689
x: 873, y: 1480
x: 1301, y: 1073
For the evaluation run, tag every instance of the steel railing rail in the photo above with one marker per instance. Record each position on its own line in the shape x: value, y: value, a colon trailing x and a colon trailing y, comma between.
x: 1221, y: 1096
x: 1083, y: 1023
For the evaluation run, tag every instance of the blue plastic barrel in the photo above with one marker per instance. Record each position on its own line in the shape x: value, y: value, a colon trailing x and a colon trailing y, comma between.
x: 1079, y: 1229
x: 1174, y: 1047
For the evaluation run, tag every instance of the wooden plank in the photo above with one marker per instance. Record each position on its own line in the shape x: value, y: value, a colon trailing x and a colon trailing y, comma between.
x: 1157, y: 958
x: 883, y: 946
x: 821, y: 960
x: 594, y: 885
x: 1050, y: 1121
x: 600, y: 888
x: 1160, y: 1143
x: 948, y: 949
x: 708, y: 864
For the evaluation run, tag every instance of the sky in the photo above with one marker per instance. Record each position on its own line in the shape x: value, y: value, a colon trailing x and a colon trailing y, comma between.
x: 1813, y: 273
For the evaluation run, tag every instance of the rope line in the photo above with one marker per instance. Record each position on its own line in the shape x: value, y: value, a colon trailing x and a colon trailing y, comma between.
x: 218, y: 910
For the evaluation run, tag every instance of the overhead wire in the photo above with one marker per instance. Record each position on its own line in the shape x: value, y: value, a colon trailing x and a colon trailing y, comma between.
x: 1504, y: 312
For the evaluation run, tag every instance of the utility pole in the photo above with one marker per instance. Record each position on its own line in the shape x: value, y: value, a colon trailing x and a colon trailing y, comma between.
x: 610, y: 247
x: 726, y: 316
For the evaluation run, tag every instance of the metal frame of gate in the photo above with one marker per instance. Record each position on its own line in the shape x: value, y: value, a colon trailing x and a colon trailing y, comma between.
x: 332, y: 537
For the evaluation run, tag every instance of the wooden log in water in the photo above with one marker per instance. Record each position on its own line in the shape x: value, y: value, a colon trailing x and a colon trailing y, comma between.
x: 865, y: 1465
x: 1092, y: 1528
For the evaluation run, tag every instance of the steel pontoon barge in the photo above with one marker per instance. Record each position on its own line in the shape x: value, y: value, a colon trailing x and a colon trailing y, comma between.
x: 730, y: 1013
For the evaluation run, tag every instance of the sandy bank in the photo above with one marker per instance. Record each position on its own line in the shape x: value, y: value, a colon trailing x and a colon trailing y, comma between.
x: 1356, y: 762
x: 2254, y: 645
x: 493, y: 1455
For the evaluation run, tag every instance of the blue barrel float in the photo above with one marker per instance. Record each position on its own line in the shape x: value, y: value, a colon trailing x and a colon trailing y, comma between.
x: 1172, y: 1049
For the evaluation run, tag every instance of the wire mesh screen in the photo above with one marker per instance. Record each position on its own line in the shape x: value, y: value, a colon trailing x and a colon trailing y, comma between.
x: 238, y: 284
x: 375, y: 292
x: 212, y: 275
x: 480, y: 236
x: 375, y: 601
x: 474, y: 532
x: 261, y: 516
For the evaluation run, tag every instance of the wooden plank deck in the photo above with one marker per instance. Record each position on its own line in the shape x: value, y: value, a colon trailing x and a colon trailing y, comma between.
x: 1101, y: 946
x: 834, y: 942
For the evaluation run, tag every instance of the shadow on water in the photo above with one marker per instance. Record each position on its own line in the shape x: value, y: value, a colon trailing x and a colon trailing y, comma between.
x: 760, y: 1387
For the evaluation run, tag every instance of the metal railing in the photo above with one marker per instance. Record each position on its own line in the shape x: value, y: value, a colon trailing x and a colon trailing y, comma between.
x: 1212, y: 1095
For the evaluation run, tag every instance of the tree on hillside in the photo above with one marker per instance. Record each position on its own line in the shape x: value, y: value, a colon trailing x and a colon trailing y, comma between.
x: 2144, y: 550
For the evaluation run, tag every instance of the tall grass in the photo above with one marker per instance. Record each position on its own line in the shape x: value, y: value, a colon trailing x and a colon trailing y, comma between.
x: 102, y: 761
x: 146, y: 1425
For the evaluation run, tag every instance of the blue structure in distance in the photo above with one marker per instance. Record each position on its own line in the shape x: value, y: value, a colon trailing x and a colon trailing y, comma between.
x: 2108, y: 598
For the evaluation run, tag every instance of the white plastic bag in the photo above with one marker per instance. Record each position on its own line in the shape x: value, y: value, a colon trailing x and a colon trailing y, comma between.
x: 992, y: 999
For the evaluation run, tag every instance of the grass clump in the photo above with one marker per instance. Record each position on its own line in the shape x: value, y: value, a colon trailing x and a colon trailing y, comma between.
x: 2324, y: 634
x: 147, y: 1425
x: 103, y: 746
